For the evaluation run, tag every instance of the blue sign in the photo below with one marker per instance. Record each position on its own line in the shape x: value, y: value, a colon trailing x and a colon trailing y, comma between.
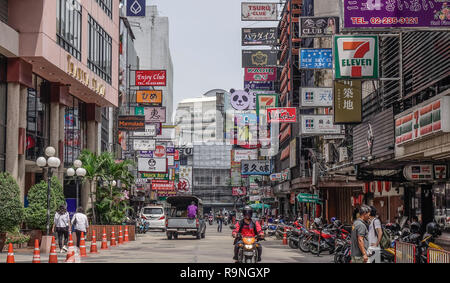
x: 316, y: 58
x: 135, y: 8
x: 259, y: 85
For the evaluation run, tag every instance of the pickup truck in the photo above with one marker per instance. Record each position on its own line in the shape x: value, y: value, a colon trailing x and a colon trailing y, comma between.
x: 177, y: 222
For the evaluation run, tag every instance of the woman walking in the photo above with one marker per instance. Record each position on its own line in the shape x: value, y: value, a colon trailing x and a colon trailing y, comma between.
x: 62, y: 224
x: 80, y: 223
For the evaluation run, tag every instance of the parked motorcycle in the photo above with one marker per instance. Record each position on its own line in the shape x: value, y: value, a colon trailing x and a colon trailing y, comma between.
x: 142, y: 226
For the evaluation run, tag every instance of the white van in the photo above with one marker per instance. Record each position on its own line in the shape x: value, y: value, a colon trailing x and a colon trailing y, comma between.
x: 154, y: 216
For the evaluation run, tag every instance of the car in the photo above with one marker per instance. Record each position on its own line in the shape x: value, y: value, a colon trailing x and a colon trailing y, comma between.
x: 154, y: 216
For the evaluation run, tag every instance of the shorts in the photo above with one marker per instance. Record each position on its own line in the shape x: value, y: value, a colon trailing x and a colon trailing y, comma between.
x: 357, y: 259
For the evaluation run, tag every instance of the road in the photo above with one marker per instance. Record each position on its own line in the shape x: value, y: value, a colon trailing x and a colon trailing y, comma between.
x: 154, y: 247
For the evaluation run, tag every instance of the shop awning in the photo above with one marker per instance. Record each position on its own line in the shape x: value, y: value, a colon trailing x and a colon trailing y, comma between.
x: 259, y: 206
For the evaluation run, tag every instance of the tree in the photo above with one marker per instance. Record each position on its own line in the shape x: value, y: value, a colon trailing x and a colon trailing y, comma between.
x: 11, y: 209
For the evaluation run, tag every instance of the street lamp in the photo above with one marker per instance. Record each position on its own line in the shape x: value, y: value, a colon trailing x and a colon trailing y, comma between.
x: 79, y: 171
x: 51, y: 162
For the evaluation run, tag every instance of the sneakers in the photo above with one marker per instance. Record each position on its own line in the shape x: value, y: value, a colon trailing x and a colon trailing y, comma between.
x: 65, y: 248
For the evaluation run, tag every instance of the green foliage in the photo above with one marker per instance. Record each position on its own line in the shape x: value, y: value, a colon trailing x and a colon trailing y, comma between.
x: 36, y: 212
x: 11, y: 208
x: 15, y: 237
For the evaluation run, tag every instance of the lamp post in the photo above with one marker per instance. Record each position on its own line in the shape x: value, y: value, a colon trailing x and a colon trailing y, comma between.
x: 79, y: 172
x: 51, y: 162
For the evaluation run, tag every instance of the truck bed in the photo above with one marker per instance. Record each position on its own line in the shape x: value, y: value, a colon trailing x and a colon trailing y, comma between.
x: 181, y: 222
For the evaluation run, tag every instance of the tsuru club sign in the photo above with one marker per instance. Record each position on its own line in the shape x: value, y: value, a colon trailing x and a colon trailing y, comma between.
x: 151, y: 77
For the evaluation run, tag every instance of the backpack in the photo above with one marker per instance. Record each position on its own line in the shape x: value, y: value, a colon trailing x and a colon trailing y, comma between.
x: 386, y: 240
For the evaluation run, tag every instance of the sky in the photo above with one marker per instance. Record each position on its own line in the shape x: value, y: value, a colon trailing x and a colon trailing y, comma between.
x: 205, y: 44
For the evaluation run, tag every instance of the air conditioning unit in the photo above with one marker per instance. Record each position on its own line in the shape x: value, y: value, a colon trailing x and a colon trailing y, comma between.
x: 343, y: 154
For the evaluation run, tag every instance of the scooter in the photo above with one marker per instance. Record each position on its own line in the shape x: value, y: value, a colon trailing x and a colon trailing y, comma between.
x: 248, y: 252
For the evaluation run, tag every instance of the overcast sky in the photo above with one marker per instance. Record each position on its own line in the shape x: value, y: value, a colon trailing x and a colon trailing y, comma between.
x: 205, y: 43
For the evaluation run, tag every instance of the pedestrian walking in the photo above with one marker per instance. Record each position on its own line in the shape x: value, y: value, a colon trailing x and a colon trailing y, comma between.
x: 219, y: 222
x: 359, y: 236
x: 80, y: 223
x: 61, y: 222
x: 375, y: 235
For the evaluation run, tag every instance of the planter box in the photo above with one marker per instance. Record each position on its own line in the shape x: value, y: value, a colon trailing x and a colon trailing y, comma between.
x: 34, y: 234
x: 108, y: 229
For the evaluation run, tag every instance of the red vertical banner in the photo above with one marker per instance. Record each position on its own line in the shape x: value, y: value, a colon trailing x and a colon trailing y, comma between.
x: 380, y: 186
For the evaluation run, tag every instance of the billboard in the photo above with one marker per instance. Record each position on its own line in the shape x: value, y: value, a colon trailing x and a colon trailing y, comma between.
x: 149, y: 97
x: 316, y: 97
x: 152, y: 165
x: 185, y: 181
x: 259, y: 11
x: 318, y: 26
x: 153, y: 114
x: 163, y: 185
x: 150, y: 78
x: 260, y: 74
x: 255, y: 167
x: 316, y: 58
x: 131, y: 123
x: 150, y: 131
x: 363, y: 14
x: 239, y: 191
x: 245, y: 154
x: 356, y: 57
x: 347, y: 101
x: 259, y: 58
x: 144, y: 144
x: 269, y: 86
x: 318, y: 125
x: 282, y: 115
x: 259, y: 36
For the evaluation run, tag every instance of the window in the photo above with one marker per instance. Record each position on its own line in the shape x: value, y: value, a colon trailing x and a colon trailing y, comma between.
x: 4, y: 11
x: 100, y: 50
x: 73, y: 128
x: 68, y: 26
x: 38, y: 120
x: 3, y: 88
x: 106, y: 5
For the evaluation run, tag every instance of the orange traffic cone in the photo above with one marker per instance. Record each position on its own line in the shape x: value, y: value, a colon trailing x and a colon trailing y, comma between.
x: 120, y: 236
x: 82, y: 246
x: 10, y: 257
x: 284, y: 237
x: 113, y: 239
x: 104, y: 241
x: 93, y: 243
x: 37, y: 252
x: 71, y: 252
x: 53, y: 257
x: 126, y: 235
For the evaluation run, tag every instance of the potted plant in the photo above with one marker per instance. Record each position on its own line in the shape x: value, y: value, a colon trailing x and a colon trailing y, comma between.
x: 11, y: 209
x: 36, y: 212
x: 16, y: 238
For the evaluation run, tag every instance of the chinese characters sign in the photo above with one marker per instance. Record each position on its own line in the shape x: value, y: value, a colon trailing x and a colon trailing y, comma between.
x: 259, y: 36
x: 318, y: 125
x: 150, y: 78
x: 149, y: 97
x: 259, y: 12
x: 316, y: 97
x: 255, y: 167
x: 318, y: 26
x: 347, y: 101
x: 259, y: 58
x: 362, y: 14
x: 153, y: 114
x: 316, y: 58
x: 260, y: 74
x: 356, y: 57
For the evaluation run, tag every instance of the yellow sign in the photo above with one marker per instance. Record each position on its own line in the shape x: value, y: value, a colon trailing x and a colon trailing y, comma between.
x: 153, y: 97
x: 83, y: 77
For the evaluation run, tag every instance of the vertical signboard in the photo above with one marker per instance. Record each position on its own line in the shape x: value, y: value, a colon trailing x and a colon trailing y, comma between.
x: 259, y: 11
x: 347, y: 101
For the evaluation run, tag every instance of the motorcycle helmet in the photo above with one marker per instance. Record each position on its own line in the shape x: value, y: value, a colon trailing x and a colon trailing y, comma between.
x: 432, y: 228
x: 318, y: 222
x: 247, y: 211
x: 415, y: 228
x: 333, y: 219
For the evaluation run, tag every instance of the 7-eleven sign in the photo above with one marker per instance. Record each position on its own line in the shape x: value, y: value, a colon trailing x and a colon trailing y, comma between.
x: 356, y: 57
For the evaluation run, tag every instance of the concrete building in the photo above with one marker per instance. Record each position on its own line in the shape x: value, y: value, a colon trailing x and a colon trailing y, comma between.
x: 57, y: 70
x: 152, y: 46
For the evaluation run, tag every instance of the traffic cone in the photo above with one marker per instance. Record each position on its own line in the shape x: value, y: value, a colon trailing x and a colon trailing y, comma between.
x: 120, y: 236
x: 82, y: 246
x: 53, y: 257
x: 10, y: 257
x: 70, y: 258
x: 126, y: 235
x: 104, y: 241
x: 284, y: 237
x: 37, y: 252
x: 93, y: 243
x: 113, y: 238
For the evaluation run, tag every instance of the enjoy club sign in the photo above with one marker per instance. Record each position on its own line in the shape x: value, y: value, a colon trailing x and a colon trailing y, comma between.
x: 356, y: 57
x: 151, y: 78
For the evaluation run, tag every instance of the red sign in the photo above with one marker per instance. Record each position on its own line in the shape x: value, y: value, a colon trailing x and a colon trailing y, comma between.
x: 239, y: 191
x: 151, y: 78
x: 160, y: 151
x: 282, y: 115
x: 163, y: 185
x: 177, y: 155
x: 260, y: 74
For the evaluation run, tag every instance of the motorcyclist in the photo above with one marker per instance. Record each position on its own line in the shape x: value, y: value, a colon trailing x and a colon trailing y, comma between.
x: 247, y: 228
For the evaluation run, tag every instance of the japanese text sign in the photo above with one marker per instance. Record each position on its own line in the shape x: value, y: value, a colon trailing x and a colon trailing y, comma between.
x: 316, y: 58
x: 152, y: 97
x: 255, y: 167
x: 282, y: 115
x: 259, y: 36
x: 347, y: 101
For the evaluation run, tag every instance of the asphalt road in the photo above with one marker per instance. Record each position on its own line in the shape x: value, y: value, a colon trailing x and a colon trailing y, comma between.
x: 154, y: 247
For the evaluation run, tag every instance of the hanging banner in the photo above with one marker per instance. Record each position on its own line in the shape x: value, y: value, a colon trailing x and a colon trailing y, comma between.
x: 356, y: 57
x: 259, y: 11
x: 131, y: 123
x: 259, y: 58
x: 316, y: 97
x: 150, y: 131
x: 363, y: 14
x: 136, y: 8
x: 255, y: 167
x: 146, y: 144
x: 149, y: 97
x: 259, y: 36
x: 347, y: 102
x: 269, y: 86
x: 150, y: 78
x: 185, y: 181
x: 152, y: 165
x: 282, y: 115
x: 318, y: 26
x: 260, y: 74
x: 154, y: 114
x: 163, y: 185
x: 316, y: 58
x: 318, y: 125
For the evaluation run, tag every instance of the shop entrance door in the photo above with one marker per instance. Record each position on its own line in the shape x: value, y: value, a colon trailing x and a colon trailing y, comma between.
x: 426, y: 205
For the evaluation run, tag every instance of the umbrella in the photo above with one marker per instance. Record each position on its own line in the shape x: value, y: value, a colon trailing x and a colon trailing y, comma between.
x: 259, y: 206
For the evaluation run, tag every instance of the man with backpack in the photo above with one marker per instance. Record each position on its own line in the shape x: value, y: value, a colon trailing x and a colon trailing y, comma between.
x: 247, y: 228
x: 375, y: 235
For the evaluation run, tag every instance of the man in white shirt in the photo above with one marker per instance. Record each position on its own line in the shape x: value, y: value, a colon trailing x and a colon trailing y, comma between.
x: 375, y: 235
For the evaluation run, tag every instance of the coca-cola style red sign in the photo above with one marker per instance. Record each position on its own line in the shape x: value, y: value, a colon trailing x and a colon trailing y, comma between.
x: 151, y: 78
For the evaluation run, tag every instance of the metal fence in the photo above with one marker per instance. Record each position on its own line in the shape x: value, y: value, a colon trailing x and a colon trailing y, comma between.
x: 405, y: 252
x: 438, y: 256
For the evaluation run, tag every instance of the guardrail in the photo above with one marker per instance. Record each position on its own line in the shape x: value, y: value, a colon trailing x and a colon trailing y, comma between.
x: 404, y: 252
x: 438, y: 256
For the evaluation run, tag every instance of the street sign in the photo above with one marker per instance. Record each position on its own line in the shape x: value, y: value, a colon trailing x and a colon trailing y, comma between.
x: 308, y: 198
